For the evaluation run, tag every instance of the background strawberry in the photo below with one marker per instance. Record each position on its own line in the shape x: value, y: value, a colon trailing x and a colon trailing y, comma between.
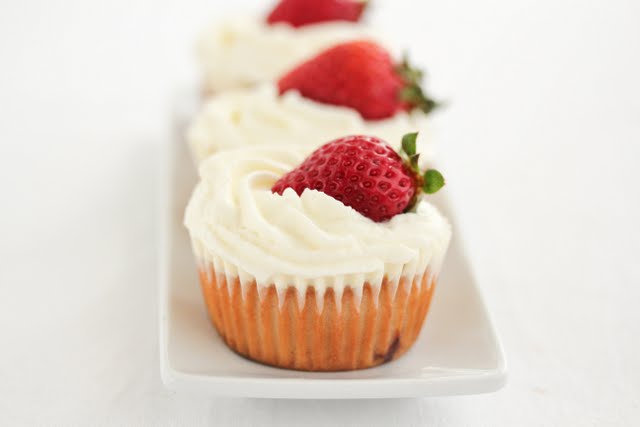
x: 365, y: 173
x: 360, y: 75
x: 303, y: 12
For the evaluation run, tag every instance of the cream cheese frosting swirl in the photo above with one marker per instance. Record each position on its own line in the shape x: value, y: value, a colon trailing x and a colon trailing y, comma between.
x: 243, y: 51
x: 238, y: 225
x: 260, y: 116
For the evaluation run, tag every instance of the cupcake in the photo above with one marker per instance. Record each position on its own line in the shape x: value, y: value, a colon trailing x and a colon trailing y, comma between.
x: 321, y: 264
x: 352, y: 88
x: 243, y: 51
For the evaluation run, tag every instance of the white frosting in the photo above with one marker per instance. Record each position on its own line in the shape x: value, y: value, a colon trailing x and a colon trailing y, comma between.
x: 239, y: 226
x: 259, y: 116
x: 246, y: 50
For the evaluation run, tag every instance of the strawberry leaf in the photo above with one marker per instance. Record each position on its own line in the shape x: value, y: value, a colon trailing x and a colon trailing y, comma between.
x: 412, y: 93
x: 409, y: 143
x: 414, y: 96
x: 433, y: 181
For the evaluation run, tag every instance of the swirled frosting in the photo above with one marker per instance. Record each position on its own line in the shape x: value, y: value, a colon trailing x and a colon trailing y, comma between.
x: 238, y: 225
x: 260, y: 117
x: 244, y: 51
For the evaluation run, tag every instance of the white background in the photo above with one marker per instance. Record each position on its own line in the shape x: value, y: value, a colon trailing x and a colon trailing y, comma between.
x: 540, y: 144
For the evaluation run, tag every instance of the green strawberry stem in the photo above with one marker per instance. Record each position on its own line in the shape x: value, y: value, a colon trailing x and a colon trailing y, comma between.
x: 429, y: 181
x: 412, y: 93
x: 409, y: 148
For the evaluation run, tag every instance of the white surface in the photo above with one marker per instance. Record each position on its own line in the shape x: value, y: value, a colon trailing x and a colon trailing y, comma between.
x: 456, y: 353
x: 540, y: 143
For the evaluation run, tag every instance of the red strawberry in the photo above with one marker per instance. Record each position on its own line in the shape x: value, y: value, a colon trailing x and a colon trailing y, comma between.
x: 365, y: 173
x: 303, y: 12
x: 360, y: 75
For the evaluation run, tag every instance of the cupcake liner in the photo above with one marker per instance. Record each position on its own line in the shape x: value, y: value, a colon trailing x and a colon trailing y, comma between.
x: 318, y: 326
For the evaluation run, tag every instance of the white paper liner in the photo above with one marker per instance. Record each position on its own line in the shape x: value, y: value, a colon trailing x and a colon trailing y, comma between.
x: 339, y: 283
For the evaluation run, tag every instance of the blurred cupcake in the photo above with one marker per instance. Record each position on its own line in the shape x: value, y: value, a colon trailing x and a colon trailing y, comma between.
x: 354, y: 87
x: 244, y: 51
x: 323, y: 264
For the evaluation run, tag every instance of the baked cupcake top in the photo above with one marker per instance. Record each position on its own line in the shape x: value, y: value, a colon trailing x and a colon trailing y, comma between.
x: 260, y: 117
x: 243, y: 228
x: 244, y: 51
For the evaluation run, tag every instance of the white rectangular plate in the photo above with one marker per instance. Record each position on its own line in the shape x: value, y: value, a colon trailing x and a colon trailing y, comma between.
x: 457, y: 351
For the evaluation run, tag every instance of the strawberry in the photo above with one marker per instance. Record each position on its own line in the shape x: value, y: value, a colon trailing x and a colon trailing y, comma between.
x: 303, y: 12
x: 365, y: 173
x: 360, y: 75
